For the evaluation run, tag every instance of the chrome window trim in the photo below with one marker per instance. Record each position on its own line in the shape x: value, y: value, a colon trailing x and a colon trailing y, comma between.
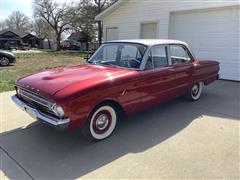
x: 145, y: 57
x: 167, y: 54
x: 106, y: 43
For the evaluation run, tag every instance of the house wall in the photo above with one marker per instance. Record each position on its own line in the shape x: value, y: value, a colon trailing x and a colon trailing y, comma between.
x: 9, y: 37
x: 129, y: 17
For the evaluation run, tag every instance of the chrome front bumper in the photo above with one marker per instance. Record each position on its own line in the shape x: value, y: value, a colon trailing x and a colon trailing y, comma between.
x: 59, y: 124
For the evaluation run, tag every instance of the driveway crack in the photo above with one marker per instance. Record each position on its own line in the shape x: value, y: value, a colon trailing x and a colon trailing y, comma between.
x: 216, y: 112
x: 18, y: 164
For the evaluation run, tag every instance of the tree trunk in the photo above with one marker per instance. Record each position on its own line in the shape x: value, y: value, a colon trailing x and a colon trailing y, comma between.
x: 99, y: 24
x: 87, y: 45
x: 49, y: 43
x: 58, y: 39
x: 99, y: 33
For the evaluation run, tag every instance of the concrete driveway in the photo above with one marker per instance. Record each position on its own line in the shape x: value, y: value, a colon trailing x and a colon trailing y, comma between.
x: 177, y: 140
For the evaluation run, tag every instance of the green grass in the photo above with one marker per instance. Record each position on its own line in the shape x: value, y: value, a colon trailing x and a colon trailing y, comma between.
x: 29, y: 63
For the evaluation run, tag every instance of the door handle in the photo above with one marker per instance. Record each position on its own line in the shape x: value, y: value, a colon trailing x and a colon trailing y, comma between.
x: 172, y: 70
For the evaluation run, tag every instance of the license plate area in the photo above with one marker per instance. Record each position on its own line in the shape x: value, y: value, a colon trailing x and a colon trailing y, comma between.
x: 30, y: 113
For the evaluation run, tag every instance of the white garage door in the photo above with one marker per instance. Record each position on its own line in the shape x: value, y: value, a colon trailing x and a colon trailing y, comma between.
x: 212, y: 34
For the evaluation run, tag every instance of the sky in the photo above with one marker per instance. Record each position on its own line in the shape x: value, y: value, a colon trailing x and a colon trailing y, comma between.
x: 8, y: 6
x: 25, y: 6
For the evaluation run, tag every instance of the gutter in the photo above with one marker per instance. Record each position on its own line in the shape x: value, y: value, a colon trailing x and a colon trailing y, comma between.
x: 110, y: 9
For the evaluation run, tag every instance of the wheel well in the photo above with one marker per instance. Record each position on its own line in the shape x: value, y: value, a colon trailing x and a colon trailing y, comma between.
x: 115, y: 104
x: 4, y: 56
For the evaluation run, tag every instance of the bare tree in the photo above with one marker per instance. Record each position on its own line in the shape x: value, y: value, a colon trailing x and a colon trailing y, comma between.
x: 43, y: 30
x: 3, y: 25
x: 101, y: 4
x: 84, y: 18
x: 55, y: 14
x: 18, y: 20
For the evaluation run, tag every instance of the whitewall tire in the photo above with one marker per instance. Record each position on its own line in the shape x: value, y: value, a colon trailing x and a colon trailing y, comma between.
x: 101, y: 123
x: 196, y: 91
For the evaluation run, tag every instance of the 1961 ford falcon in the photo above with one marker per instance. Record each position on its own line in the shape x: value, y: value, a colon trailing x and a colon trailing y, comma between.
x: 122, y: 77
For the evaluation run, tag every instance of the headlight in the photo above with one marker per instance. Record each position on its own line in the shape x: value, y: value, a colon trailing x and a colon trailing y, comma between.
x: 58, y: 110
x: 18, y: 91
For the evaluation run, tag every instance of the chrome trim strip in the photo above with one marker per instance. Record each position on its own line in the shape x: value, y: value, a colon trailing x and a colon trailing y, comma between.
x: 35, y: 99
x: 60, y: 124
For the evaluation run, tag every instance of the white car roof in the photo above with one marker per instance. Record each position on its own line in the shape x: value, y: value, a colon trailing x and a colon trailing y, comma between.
x: 150, y: 42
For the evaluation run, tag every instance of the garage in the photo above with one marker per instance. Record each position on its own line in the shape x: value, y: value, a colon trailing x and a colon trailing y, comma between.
x: 212, y: 34
x: 211, y: 28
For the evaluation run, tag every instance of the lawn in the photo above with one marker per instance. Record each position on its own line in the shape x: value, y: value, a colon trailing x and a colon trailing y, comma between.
x: 29, y: 63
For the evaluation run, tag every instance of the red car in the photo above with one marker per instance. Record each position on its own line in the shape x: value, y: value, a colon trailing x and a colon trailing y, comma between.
x: 122, y: 77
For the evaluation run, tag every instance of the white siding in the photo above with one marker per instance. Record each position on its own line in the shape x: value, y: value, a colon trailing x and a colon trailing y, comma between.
x: 129, y: 16
x: 149, y: 30
x: 111, y: 33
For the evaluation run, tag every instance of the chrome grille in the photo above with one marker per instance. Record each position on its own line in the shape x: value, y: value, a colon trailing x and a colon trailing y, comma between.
x: 36, y: 101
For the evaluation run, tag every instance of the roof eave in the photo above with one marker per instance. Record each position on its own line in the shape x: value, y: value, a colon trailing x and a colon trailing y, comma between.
x: 110, y: 9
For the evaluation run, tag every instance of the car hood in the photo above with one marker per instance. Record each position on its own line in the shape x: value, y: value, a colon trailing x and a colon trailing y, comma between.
x: 51, y: 81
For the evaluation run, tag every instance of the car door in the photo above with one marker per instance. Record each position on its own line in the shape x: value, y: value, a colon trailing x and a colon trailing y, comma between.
x: 181, y: 64
x: 157, y: 79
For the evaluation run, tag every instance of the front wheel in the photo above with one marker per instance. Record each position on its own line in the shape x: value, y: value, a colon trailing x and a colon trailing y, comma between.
x: 195, y: 91
x: 4, y: 61
x: 101, y: 123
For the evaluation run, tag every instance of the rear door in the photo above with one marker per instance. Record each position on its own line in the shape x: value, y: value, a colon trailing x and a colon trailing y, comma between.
x: 181, y: 63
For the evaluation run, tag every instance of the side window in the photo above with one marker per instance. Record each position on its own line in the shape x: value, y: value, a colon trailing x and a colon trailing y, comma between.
x: 159, y: 56
x: 179, y: 55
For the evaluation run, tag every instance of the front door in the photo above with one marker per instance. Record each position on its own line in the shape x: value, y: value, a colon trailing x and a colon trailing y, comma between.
x: 156, y: 81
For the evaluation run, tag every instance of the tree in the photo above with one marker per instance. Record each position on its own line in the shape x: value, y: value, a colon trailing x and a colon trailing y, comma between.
x: 101, y: 5
x: 3, y: 25
x: 43, y: 30
x: 84, y: 18
x: 55, y: 14
x: 19, y: 21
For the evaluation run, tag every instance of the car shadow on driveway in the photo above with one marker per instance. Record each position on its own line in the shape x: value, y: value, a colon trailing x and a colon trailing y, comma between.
x: 48, y: 154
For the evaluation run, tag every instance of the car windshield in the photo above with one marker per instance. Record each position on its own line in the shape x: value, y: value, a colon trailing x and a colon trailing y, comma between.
x: 126, y: 55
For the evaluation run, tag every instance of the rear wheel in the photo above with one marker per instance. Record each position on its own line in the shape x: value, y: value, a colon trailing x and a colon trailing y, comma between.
x: 4, y: 61
x: 195, y: 91
x: 101, y: 123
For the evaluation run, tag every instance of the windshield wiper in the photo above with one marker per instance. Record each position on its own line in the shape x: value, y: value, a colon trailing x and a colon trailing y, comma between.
x: 105, y: 62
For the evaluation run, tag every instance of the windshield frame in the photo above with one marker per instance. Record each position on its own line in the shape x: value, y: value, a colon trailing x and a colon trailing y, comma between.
x: 115, y: 66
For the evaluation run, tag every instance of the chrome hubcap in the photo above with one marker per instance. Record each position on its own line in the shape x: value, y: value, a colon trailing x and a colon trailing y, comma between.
x: 195, y: 90
x: 102, y: 122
